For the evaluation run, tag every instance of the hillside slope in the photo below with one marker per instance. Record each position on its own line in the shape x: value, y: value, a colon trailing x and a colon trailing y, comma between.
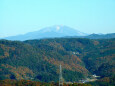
x: 40, y: 59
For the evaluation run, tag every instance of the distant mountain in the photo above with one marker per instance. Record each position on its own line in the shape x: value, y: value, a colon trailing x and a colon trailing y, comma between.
x: 48, y: 32
x: 58, y: 31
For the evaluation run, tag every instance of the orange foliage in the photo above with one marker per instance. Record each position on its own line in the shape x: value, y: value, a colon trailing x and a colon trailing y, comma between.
x: 105, y: 79
x: 95, y: 42
x: 72, y: 65
x: 20, y: 72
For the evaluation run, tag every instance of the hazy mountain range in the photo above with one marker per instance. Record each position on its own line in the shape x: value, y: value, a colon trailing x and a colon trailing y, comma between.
x: 58, y: 31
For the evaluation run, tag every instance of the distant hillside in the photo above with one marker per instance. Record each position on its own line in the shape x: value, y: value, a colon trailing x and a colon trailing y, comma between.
x: 102, y: 36
x: 40, y: 59
x: 95, y: 36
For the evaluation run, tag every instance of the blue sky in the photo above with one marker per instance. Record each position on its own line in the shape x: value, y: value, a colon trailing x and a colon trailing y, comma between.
x: 89, y: 16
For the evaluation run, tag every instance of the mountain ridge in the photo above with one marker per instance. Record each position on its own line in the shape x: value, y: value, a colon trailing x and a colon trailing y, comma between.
x: 48, y: 32
x: 58, y: 31
x: 96, y: 36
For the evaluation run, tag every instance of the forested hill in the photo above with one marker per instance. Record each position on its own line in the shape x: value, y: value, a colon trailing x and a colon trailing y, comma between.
x: 96, y: 36
x: 40, y: 59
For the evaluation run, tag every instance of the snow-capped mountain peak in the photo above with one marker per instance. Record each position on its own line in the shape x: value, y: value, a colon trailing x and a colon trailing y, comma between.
x: 49, y: 32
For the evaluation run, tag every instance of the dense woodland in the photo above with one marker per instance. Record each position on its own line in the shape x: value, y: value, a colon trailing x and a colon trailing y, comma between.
x: 35, y: 83
x: 39, y: 60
